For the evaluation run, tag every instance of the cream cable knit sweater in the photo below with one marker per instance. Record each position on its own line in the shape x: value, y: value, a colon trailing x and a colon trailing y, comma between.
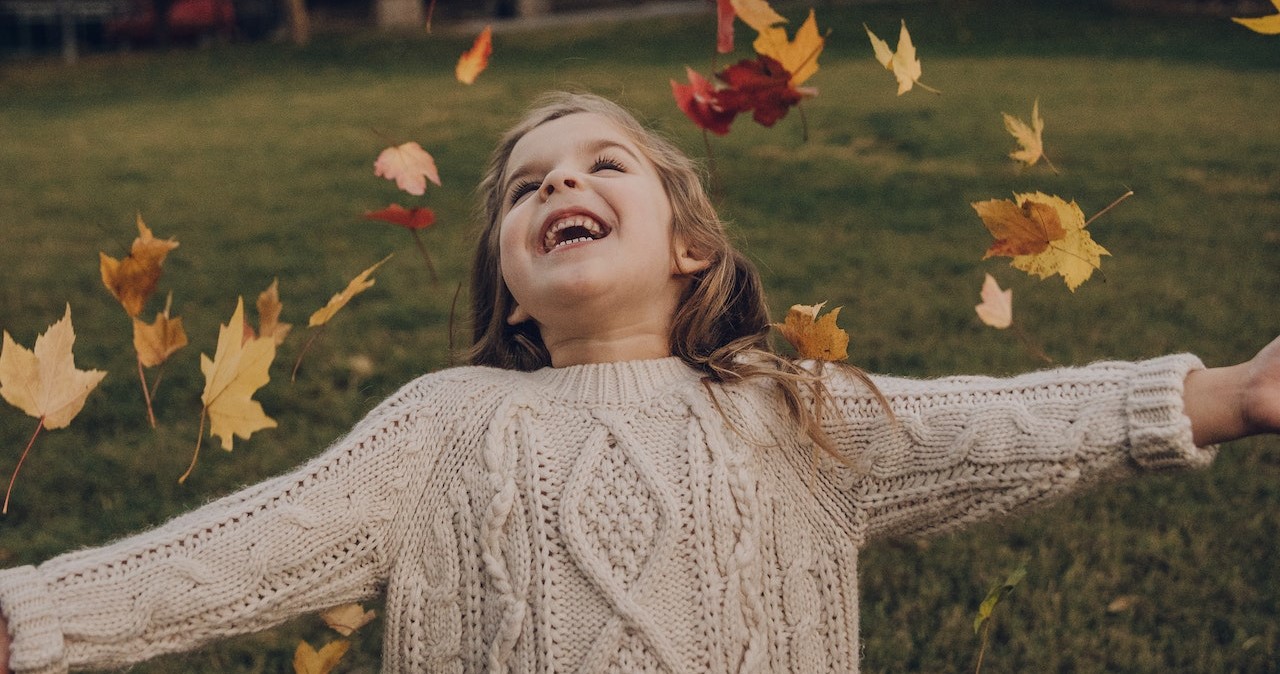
x: 599, y: 518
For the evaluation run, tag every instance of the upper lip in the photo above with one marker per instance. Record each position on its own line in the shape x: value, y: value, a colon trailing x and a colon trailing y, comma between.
x: 564, y: 214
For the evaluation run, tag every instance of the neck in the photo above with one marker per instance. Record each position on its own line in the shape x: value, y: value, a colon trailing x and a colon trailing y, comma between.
x: 581, y: 350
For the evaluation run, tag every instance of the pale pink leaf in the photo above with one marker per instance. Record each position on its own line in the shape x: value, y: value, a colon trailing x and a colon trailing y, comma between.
x: 409, y: 165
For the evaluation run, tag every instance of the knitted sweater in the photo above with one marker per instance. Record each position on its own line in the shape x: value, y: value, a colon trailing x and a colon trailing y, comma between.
x: 609, y: 517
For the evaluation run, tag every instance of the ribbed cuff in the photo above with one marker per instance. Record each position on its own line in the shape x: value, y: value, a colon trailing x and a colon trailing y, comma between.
x: 1159, y: 429
x: 35, y: 634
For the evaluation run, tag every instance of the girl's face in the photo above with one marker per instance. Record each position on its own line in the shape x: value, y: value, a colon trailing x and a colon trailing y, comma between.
x: 586, y: 233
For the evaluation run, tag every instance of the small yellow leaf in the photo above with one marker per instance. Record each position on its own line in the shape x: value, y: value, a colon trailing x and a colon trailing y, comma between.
x: 155, y: 342
x: 44, y: 382
x: 799, y: 56
x: 813, y: 337
x: 307, y: 661
x: 269, y: 308
x: 1267, y: 25
x: 757, y: 14
x: 1029, y: 137
x: 239, y: 368
x: 347, y: 618
x: 996, y: 309
x: 359, y: 284
x: 133, y: 280
x: 902, y: 63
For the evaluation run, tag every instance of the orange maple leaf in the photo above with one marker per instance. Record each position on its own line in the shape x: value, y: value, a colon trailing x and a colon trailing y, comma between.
x: 155, y: 342
x: 1022, y: 228
x: 1073, y: 254
x: 347, y: 618
x: 813, y: 337
x: 306, y: 660
x: 269, y: 308
x: 476, y: 59
x: 409, y: 165
x: 133, y: 280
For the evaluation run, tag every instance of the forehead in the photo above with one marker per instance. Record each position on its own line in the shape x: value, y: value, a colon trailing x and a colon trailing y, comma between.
x: 576, y: 132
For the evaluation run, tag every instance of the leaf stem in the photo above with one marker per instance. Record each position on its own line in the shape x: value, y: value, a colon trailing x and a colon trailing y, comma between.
x: 39, y: 425
x: 1030, y: 344
x: 298, y: 363
x: 453, y: 305
x: 204, y: 412
x: 982, y: 646
x: 422, y: 248
x: 804, y: 124
x: 1110, y: 206
x: 146, y: 394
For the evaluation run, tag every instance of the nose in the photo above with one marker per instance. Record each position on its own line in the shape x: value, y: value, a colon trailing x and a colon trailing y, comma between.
x: 558, y: 180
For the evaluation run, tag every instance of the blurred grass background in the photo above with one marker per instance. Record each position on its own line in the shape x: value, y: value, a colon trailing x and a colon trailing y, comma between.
x: 258, y: 159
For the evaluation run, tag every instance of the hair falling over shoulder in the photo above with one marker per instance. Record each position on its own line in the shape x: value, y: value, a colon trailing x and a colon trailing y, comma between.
x: 721, y: 327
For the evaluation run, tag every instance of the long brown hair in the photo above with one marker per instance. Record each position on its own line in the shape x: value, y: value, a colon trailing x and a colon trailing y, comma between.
x: 721, y: 327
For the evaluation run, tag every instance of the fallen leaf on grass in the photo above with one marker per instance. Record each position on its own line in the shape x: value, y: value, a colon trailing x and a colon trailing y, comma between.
x: 996, y: 309
x: 476, y: 59
x: 133, y: 279
x: 409, y: 166
x: 813, y: 337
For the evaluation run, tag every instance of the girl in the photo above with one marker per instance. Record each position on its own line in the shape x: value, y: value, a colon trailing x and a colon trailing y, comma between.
x: 625, y: 478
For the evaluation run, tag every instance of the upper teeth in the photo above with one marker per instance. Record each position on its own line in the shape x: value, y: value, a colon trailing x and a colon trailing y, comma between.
x: 593, y: 227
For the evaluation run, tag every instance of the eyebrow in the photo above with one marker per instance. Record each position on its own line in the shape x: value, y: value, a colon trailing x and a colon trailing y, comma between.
x: 587, y: 148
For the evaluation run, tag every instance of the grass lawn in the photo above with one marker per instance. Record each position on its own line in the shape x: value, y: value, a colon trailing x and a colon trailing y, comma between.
x: 258, y: 159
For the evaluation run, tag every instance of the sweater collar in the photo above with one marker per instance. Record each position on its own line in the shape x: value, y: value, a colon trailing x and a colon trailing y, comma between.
x: 621, y: 383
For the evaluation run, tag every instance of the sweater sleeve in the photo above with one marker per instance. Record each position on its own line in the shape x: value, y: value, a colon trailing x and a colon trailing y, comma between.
x: 964, y: 449
x: 298, y: 543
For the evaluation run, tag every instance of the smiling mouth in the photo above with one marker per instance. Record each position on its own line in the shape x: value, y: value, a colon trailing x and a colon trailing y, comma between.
x: 571, y: 230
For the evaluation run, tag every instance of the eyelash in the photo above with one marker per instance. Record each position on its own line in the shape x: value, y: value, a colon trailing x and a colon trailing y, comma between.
x: 601, y: 163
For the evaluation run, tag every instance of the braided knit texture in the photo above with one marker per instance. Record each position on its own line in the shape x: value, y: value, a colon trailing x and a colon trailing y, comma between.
x: 601, y: 518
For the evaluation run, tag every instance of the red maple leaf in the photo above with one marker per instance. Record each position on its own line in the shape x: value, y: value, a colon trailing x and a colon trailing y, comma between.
x: 417, y: 218
x: 762, y: 86
x: 701, y: 102
x: 724, y: 26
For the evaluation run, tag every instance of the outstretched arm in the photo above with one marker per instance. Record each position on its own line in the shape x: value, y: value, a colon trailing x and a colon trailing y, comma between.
x: 1226, y: 403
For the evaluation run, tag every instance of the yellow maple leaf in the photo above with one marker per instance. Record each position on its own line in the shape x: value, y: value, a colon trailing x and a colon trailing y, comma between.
x: 44, y: 382
x: 996, y: 309
x: 1267, y: 25
x: 1074, y: 256
x: 155, y: 342
x: 133, y: 280
x: 1029, y: 136
x: 347, y: 618
x: 798, y: 56
x: 269, y: 307
x: 757, y: 14
x: 357, y: 285
x: 813, y: 337
x: 902, y: 63
x: 307, y: 661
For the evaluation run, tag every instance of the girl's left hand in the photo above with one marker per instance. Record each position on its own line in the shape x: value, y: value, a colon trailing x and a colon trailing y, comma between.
x: 1260, y: 394
x: 1225, y: 403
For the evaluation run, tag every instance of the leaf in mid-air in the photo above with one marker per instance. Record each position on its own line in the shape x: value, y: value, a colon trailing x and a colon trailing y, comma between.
x: 357, y: 285
x: 799, y: 57
x: 133, y: 279
x: 757, y: 14
x: 306, y: 660
x: 476, y: 59
x: 237, y: 370
x: 269, y: 308
x: 1023, y: 228
x: 44, y: 382
x: 996, y: 309
x: 700, y: 102
x: 1073, y: 254
x: 1030, y: 137
x: 409, y: 165
x: 902, y: 63
x: 1267, y: 25
x: 155, y: 342
x: 762, y: 86
x: 724, y: 26
x: 347, y: 618
x: 409, y: 218
x: 996, y: 594
x: 813, y: 337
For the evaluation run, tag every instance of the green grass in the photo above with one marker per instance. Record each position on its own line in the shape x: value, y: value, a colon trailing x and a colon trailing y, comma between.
x: 258, y: 159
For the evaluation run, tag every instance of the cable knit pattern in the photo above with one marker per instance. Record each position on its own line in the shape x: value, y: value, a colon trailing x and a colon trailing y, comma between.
x: 601, y: 518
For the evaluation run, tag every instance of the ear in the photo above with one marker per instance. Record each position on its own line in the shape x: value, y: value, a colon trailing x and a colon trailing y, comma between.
x: 518, y: 315
x: 686, y: 261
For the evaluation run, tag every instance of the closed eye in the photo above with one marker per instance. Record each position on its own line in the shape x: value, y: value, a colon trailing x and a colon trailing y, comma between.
x: 605, y: 163
x: 522, y: 188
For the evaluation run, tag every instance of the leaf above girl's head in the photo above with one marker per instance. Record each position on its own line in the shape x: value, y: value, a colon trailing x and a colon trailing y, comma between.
x: 813, y: 337
x: 476, y: 59
x: 724, y: 26
x: 757, y: 14
x: 409, y: 165
x: 996, y: 309
x: 133, y: 279
x: 799, y: 56
x: 1267, y: 25
x: 902, y: 63
x: 700, y: 102
x: 44, y: 382
x: 762, y: 86
x: 409, y: 218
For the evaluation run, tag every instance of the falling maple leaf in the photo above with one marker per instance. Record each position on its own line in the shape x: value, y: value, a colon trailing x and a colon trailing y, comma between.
x: 1267, y: 25
x: 347, y: 618
x: 409, y: 165
x: 699, y: 102
x: 357, y: 285
x: 1030, y: 137
x: 724, y: 26
x: 757, y: 14
x: 902, y: 63
x: 44, y: 382
x: 1073, y: 254
x: 306, y: 660
x: 134, y: 279
x: 412, y: 220
x: 996, y: 309
x: 269, y: 308
x: 1023, y: 228
x: 762, y: 86
x: 813, y: 337
x: 799, y: 57
x: 155, y: 342
x: 476, y: 59
x: 239, y: 368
